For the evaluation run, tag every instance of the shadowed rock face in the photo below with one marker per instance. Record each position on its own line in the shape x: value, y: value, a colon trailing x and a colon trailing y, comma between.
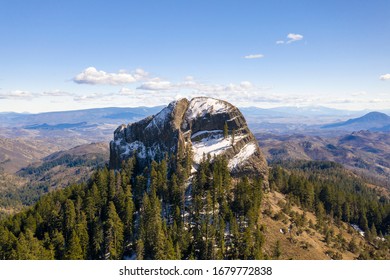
x: 199, y: 123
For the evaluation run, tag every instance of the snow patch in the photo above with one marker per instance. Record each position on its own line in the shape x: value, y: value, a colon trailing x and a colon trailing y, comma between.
x: 358, y: 229
x: 205, y: 132
x: 213, y: 145
x: 199, y: 107
x: 232, y: 119
x: 159, y: 119
x: 245, y: 153
x: 128, y: 148
x: 193, y: 169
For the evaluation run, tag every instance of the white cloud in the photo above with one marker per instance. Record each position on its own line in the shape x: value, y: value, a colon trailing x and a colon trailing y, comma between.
x: 28, y: 95
x: 93, y: 76
x: 126, y: 91
x: 18, y: 94
x: 93, y: 97
x: 385, y: 77
x: 246, y: 84
x: 139, y: 74
x: 294, y: 37
x: 254, y: 56
x: 156, y: 84
x: 56, y: 92
x: 157, y: 90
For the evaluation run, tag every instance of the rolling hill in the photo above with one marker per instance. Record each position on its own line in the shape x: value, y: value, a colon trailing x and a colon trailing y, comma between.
x: 365, y: 152
x: 374, y: 121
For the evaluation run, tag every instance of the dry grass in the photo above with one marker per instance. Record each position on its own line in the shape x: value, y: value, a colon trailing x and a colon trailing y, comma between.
x: 303, y: 243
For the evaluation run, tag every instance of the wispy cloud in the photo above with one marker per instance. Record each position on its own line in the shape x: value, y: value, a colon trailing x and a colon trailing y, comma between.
x: 385, y: 77
x: 292, y: 37
x: 126, y: 91
x: 93, y: 76
x: 28, y: 95
x: 56, y: 92
x: 18, y: 94
x: 357, y: 101
x: 156, y: 84
x: 254, y: 56
x: 238, y: 93
x: 103, y: 97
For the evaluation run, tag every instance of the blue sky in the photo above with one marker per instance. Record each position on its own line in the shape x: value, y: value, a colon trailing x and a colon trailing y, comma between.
x: 63, y: 55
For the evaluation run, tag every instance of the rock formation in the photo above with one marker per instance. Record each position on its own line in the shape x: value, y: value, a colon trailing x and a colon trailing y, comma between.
x: 200, y: 123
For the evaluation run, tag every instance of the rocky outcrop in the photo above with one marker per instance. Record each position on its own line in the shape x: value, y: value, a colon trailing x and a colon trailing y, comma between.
x: 200, y: 123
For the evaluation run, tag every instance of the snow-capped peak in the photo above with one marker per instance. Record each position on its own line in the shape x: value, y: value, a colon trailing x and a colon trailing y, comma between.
x: 200, y: 106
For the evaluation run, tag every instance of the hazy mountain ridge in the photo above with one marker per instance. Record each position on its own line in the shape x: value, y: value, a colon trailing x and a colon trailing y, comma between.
x: 55, y: 171
x: 363, y: 151
x: 16, y: 153
x: 95, y: 115
x: 64, y: 167
x: 374, y: 121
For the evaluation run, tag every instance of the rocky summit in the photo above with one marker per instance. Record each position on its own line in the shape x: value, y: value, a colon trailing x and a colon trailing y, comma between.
x: 210, y: 126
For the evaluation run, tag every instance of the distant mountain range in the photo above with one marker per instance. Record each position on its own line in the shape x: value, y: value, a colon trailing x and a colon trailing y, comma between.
x: 98, y: 122
x: 364, y: 151
x: 115, y: 114
x: 98, y: 115
x: 373, y: 121
x: 59, y: 169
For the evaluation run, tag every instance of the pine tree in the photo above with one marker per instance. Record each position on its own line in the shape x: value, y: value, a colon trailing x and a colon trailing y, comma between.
x: 320, y: 213
x: 151, y: 231
x: 233, y: 136
x: 246, y: 247
x: 82, y: 232
x: 140, y: 249
x: 277, y: 252
x: 58, y: 242
x: 188, y: 158
x: 113, y: 233
x: 97, y: 240
x: 7, y: 243
x: 225, y: 131
x: 259, y: 241
x: 363, y: 223
x: 69, y: 219
x: 169, y: 250
x: 127, y: 216
x: 73, y: 249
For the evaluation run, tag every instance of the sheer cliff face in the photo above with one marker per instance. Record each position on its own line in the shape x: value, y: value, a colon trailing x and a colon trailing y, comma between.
x: 199, y: 123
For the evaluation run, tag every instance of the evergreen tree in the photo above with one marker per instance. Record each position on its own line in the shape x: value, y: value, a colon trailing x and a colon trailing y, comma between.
x: 233, y: 136
x: 225, y: 131
x: 113, y: 234
x: 277, y: 252
x: 82, y: 232
x: 151, y: 232
x: 69, y: 219
x: 127, y: 216
x: 73, y: 249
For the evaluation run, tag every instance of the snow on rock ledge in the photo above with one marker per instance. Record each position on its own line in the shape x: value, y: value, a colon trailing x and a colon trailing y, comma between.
x: 201, y: 106
x: 244, y: 154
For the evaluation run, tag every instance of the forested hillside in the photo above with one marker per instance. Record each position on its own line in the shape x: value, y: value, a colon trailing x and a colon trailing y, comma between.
x: 160, y: 213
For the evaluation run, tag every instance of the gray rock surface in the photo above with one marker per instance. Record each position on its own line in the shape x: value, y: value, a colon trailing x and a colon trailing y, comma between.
x: 199, y: 123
